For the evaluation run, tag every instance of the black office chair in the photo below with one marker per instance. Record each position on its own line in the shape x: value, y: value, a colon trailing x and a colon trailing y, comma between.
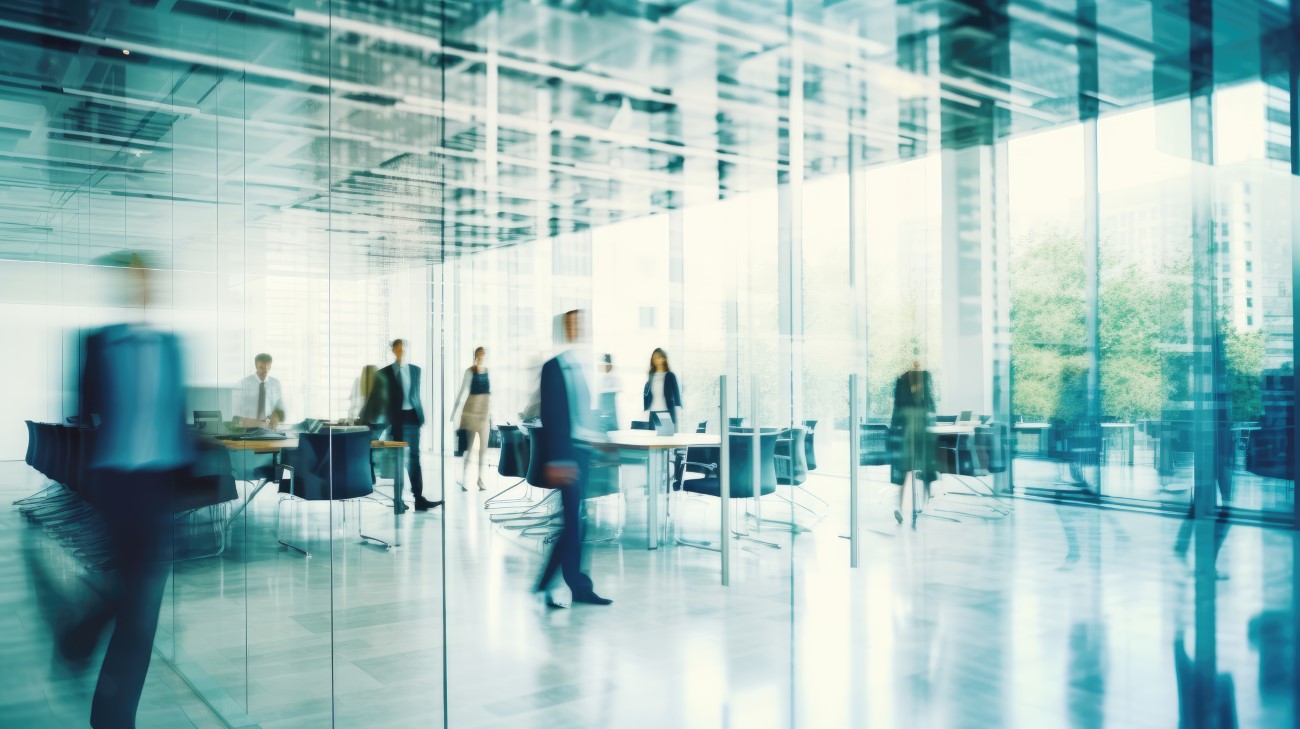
x: 642, y: 425
x: 740, y: 477
x: 792, y: 471
x: 810, y: 454
x: 702, y: 427
x: 536, y: 513
x: 513, y: 463
x: 328, y: 466
x: 945, y: 419
x: 30, y: 458
x: 735, y: 422
x: 201, y: 505
x: 957, y: 454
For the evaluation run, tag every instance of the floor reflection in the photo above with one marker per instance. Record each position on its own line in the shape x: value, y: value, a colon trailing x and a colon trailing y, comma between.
x: 1015, y: 614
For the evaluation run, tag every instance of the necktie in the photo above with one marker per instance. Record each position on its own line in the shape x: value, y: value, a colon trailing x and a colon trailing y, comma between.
x: 261, y: 400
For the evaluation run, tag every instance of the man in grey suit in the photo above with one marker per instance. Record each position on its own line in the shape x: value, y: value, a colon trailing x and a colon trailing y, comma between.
x: 405, y: 415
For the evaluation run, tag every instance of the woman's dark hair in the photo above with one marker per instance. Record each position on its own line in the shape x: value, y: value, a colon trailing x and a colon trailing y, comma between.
x: 659, y: 351
x: 478, y: 351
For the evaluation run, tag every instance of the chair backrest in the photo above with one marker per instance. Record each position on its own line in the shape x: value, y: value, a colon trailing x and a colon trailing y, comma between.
x: 535, y: 464
x: 30, y: 458
x: 642, y: 425
x: 792, y: 444
x: 207, y: 420
x: 946, y: 419
x: 703, y: 427
x: 742, y: 464
x: 515, y: 454
x: 810, y: 449
x: 332, y: 466
x: 44, y: 447
x: 735, y: 422
x: 210, y: 481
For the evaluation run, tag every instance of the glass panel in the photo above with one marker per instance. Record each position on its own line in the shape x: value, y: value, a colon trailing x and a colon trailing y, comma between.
x: 1049, y: 301
x: 1254, y: 302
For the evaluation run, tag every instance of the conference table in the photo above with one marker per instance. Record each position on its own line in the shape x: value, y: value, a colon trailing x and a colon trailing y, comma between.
x: 274, y: 446
x: 1040, y: 429
x: 654, y: 449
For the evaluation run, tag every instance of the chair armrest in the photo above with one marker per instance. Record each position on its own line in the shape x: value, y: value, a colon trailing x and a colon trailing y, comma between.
x: 709, y: 466
x: 286, y: 485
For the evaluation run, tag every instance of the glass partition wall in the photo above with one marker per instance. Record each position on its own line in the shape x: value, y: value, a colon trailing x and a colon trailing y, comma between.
x: 1073, y: 267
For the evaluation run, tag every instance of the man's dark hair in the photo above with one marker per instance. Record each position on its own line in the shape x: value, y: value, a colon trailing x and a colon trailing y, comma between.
x: 263, y: 357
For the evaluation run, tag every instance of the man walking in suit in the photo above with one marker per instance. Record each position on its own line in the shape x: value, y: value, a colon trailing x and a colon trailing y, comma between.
x: 405, y: 414
x: 133, y: 380
x: 566, y: 408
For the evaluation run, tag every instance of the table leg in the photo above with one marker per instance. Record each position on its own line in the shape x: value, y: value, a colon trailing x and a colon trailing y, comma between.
x: 240, y: 509
x: 653, y: 476
x: 399, y: 485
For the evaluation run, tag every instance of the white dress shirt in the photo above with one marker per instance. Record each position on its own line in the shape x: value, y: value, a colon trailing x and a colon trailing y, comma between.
x: 246, y: 397
x: 404, y: 374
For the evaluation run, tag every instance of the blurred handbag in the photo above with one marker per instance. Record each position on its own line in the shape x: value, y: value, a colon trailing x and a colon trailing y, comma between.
x: 494, y: 437
x: 462, y: 441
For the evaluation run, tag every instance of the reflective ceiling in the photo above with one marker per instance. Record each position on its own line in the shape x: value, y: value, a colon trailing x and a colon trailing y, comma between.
x: 399, y: 130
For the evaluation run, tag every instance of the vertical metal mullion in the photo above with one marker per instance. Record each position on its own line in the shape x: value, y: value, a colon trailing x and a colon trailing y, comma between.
x: 724, y: 478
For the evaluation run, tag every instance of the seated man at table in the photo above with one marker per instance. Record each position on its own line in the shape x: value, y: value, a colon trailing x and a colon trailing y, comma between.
x: 259, y: 403
x: 259, y: 399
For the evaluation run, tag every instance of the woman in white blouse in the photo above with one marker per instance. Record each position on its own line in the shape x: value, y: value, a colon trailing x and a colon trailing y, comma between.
x: 661, y: 393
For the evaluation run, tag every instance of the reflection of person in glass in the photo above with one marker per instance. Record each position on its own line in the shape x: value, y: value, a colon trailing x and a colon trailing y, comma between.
x: 133, y: 380
x: 1078, y: 437
x: 1224, y: 457
x: 912, y: 447
x: 566, y: 410
x: 661, y: 393
x: 471, y: 408
x: 259, y: 400
x: 610, y: 386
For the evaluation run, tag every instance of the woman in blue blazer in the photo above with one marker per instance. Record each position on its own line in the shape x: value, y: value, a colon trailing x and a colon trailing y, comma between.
x: 661, y: 393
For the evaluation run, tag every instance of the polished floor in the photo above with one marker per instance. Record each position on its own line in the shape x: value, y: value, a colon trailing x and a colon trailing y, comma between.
x: 989, y: 613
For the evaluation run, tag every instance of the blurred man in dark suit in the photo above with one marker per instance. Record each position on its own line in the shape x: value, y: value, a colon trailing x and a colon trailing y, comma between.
x: 566, y: 411
x: 134, y: 381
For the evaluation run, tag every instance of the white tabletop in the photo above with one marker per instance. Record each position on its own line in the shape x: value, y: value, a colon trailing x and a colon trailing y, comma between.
x: 648, y: 440
x: 951, y: 429
x: 1032, y: 426
x: 1117, y: 425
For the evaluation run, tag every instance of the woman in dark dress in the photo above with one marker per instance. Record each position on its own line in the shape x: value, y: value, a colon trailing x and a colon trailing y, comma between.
x: 911, y: 444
